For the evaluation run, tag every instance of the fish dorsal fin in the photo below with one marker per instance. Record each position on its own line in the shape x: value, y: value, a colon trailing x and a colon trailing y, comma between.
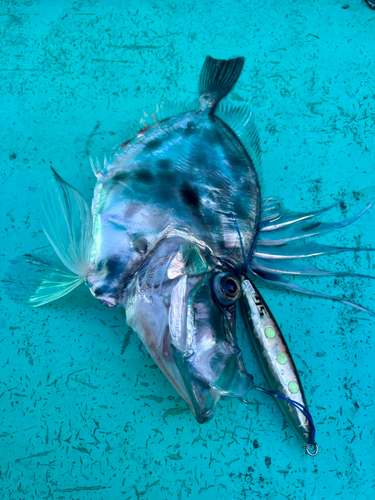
x: 67, y: 222
x: 150, y: 116
x: 242, y: 121
x: 168, y: 109
x: 131, y: 131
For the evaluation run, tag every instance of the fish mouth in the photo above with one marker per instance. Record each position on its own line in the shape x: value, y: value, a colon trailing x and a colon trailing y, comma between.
x: 188, y: 327
x: 107, y: 301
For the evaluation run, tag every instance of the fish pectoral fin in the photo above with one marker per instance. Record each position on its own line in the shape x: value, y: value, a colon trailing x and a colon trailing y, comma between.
x: 36, y: 280
x: 203, y: 398
x: 189, y: 261
x: 67, y: 222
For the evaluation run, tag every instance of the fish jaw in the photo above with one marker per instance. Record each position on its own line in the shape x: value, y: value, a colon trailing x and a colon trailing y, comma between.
x: 190, y: 337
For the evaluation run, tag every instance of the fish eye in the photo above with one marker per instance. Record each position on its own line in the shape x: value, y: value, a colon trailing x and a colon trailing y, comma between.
x: 140, y: 245
x: 226, y: 288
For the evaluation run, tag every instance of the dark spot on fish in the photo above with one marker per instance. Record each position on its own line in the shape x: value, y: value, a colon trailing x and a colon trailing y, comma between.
x: 167, y: 177
x: 235, y: 162
x: 267, y: 461
x: 190, y: 195
x: 123, y: 176
x: 114, y: 267
x: 154, y: 144
x: 239, y: 207
x: 190, y: 129
x: 165, y: 163
x: 100, y: 265
x: 255, y: 444
x: 13, y: 156
x: 101, y: 290
x: 144, y: 175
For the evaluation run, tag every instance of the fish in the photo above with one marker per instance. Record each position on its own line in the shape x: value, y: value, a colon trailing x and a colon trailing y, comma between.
x: 176, y: 224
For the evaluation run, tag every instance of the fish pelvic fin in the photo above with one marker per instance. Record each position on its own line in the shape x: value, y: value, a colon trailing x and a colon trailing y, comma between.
x: 217, y: 79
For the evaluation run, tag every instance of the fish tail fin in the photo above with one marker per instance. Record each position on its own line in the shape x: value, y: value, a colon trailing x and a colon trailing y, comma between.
x: 218, y: 77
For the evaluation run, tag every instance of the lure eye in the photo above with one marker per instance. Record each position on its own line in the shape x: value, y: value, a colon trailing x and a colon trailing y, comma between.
x: 226, y: 288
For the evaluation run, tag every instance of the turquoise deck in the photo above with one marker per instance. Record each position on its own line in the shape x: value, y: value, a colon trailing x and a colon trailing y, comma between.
x: 84, y: 412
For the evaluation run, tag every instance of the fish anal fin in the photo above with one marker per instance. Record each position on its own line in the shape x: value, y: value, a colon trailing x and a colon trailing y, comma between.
x: 280, y: 281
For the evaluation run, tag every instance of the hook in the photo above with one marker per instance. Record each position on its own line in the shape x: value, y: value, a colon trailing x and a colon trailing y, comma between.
x: 312, y: 449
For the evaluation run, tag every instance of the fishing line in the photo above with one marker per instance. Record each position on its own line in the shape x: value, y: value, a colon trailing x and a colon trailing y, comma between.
x: 246, y: 260
x: 312, y: 447
x: 271, y: 218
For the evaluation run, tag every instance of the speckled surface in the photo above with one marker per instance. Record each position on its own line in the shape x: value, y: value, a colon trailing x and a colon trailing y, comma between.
x: 84, y: 412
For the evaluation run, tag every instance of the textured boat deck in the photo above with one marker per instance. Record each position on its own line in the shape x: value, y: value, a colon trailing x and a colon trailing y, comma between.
x: 84, y: 412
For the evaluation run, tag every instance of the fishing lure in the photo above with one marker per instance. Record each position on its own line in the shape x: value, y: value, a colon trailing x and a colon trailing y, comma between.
x: 175, y: 226
x: 277, y: 364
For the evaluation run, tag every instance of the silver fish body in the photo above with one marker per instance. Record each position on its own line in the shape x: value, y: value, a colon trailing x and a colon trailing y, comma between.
x: 186, y: 173
x: 168, y: 199
x: 175, y: 223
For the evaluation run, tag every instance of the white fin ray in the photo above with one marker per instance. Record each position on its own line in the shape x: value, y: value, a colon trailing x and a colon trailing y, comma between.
x: 37, y: 280
x: 67, y: 222
x: 95, y: 167
x: 242, y: 121
x: 168, y: 109
x: 280, y: 281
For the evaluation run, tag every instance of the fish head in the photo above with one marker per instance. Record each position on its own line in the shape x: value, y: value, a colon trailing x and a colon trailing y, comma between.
x: 186, y: 317
x: 121, y: 244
